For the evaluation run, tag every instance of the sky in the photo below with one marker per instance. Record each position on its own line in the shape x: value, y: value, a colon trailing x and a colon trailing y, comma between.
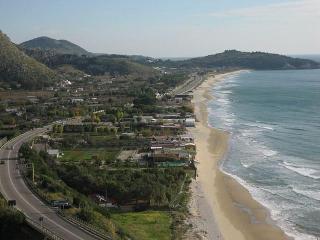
x: 168, y: 28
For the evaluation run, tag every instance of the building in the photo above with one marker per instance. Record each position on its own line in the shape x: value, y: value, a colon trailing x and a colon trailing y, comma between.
x: 77, y: 100
x: 190, y: 122
x: 54, y: 153
x: 144, y: 119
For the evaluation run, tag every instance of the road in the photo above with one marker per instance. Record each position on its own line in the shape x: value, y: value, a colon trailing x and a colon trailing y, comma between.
x: 12, y: 186
x: 193, y: 82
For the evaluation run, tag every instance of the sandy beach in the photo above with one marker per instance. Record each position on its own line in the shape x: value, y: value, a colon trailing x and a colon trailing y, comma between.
x: 220, y: 207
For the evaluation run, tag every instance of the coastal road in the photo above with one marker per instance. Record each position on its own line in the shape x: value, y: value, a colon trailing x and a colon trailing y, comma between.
x: 13, y: 187
x: 193, y: 82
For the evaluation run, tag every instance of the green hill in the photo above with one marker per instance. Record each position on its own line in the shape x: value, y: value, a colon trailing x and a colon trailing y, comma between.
x: 250, y: 60
x: 114, y: 65
x: 93, y: 65
x: 58, y: 46
x: 19, y: 70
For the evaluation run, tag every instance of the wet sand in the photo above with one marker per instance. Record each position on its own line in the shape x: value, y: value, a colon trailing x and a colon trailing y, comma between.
x: 220, y: 207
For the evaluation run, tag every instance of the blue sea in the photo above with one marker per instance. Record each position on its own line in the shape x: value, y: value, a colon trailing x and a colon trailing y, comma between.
x: 274, y: 121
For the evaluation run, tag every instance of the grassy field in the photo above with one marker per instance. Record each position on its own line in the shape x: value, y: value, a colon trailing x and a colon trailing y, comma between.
x: 147, y: 225
x: 88, y: 154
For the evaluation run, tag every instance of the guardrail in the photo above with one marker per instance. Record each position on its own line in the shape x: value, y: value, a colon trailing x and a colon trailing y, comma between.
x: 97, y: 232
x: 36, y: 226
x: 45, y: 231
x: 86, y: 226
x: 3, y: 141
x: 75, y: 221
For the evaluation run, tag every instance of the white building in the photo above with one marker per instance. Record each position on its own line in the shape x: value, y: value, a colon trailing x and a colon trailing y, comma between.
x: 190, y: 122
x: 54, y: 152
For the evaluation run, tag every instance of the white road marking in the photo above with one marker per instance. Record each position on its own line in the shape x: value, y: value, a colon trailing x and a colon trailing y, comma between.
x: 9, y: 174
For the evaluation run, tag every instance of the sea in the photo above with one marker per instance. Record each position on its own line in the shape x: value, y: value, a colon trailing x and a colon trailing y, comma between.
x: 274, y: 121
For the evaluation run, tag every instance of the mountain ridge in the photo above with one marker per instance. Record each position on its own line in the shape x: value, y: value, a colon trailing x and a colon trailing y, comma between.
x: 59, y: 46
x: 250, y: 60
x: 20, y: 70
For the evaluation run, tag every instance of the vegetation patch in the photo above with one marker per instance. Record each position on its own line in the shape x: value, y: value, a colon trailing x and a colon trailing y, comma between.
x: 145, y: 225
x: 89, y: 154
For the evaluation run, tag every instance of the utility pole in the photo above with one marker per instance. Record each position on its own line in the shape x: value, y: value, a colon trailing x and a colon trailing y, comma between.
x: 32, y: 172
x: 41, y: 221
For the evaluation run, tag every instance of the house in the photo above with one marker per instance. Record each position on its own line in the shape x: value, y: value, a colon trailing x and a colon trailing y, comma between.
x: 184, y: 97
x: 160, y: 154
x: 178, y: 100
x: 168, y: 116
x: 77, y: 100
x: 54, y: 153
x: 173, y: 128
x: 190, y: 122
x: 80, y: 89
x: 144, y: 119
x: 39, y: 147
x: 103, y: 201
x: 33, y: 99
x: 127, y: 135
x: 190, y: 146
x: 11, y: 110
x: 99, y: 112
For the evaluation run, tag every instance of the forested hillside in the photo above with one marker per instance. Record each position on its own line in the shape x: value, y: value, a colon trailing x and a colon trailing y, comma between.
x: 58, y: 46
x: 19, y: 70
x: 250, y: 60
x: 93, y: 65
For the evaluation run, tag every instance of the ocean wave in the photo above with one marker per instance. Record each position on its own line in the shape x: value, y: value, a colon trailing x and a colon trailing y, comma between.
x: 295, y: 129
x: 269, y: 152
x: 276, y: 210
x: 301, y: 170
x: 221, y: 118
x: 307, y: 193
x: 260, y: 126
x: 225, y: 92
x: 224, y: 101
x: 254, y: 146
x: 246, y: 164
x: 259, y: 147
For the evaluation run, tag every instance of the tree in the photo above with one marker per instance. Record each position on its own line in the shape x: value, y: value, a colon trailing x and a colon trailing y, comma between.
x: 95, y: 118
x: 60, y: 129
x: 10, y: 220
x: 146, y: 97
x: 119, y: 115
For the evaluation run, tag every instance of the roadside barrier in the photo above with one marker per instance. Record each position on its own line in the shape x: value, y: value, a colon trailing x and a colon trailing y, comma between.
x: 94, y: 231
x: 37, y: 226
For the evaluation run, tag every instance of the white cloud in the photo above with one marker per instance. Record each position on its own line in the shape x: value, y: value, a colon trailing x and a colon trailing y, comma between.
x: 300, y: 8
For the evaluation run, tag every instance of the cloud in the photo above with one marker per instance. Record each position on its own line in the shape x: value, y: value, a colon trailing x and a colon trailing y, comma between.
x: 301, y: 8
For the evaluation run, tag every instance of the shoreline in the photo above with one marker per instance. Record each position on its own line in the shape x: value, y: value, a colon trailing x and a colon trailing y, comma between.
x: 220, y: 207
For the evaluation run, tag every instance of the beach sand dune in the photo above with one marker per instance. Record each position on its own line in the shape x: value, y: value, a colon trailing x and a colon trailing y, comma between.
x: 220, y: 207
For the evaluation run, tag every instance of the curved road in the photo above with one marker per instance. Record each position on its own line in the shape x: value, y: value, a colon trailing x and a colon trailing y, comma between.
x: 13, y: 187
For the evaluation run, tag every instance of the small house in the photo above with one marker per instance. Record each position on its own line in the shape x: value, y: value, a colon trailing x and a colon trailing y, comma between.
x: 54, y: 153
x: 190, y: 122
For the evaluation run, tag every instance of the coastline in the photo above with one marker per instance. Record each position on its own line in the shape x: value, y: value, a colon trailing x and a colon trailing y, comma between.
x: 220, y: 207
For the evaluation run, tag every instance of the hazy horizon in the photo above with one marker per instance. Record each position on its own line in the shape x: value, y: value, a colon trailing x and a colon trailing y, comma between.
x: 168, y: 29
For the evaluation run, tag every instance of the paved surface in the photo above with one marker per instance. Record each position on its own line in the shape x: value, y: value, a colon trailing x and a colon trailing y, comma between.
x: 193, y: 82
x: 12, y: 187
